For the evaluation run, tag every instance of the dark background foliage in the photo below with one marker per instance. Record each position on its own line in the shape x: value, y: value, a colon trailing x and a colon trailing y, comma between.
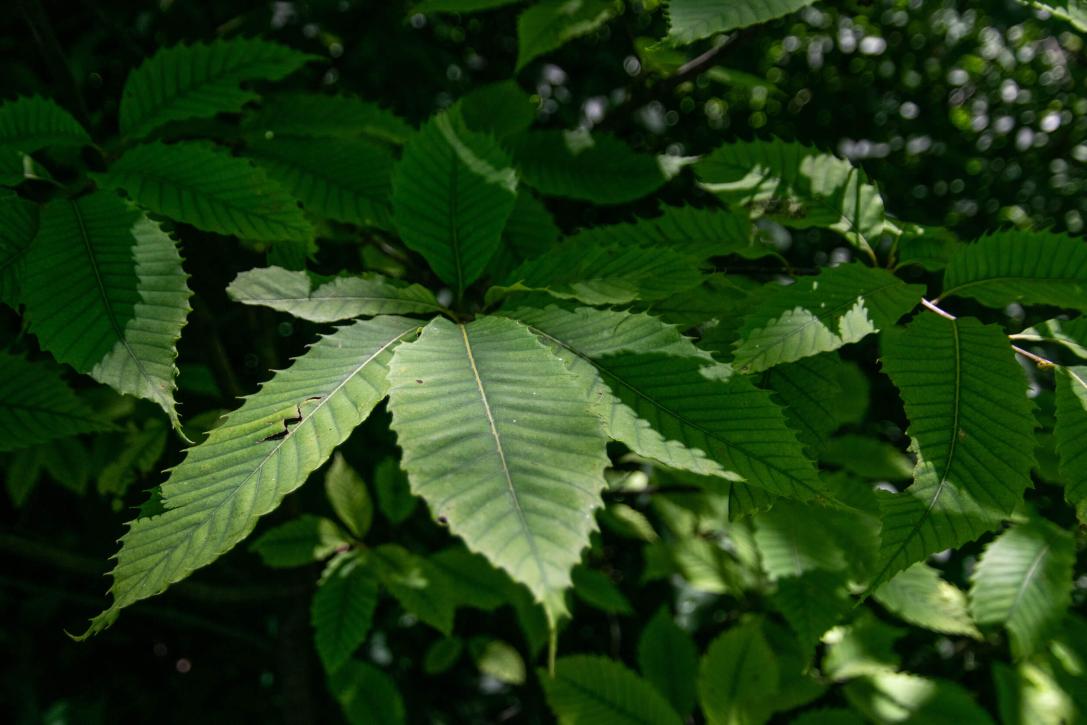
x: 967, y: 115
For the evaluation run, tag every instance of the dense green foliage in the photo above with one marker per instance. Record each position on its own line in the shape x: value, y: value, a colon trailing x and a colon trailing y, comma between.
x: 724, y: 431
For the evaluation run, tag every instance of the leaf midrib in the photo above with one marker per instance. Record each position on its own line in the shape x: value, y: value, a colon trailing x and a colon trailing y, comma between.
x: 1028, y: 579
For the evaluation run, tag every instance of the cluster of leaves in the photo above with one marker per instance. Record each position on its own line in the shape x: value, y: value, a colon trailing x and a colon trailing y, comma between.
x: 743, y: 460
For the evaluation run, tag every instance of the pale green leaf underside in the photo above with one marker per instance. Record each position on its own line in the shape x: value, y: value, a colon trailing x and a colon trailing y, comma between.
x: 796, y: 185
x: 261, y: 452
x: 668, y: 658
x: 920, y: 596
x: 345, y: 180
x: 1024, y: 581
x: 550, y: 24
x: 452, y: 193
x: 200, y: 80
x: 1031, y: 268
x: 316, y: 115
x: 821, y: 313
x: 36, y: 405
x: 105, y: 292
x: 327, y: 300
x: 32, y: 123
x: 972, y: 429
x: 200, y: 184
x: 1071, y: 434
x: 499, y: 440
x: 690, y: 20
x: 603, y: 275
x: 588, y: 689
x: 598, y: 168
x: 342, y: 609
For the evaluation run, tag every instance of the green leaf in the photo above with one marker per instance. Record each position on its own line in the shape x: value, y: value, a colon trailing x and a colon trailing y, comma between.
x: 868, y: 457
x: 789, y: 546
x: 200, y: 184
x: 421, y: 588
x: 665, y: 407
x: 136, y: 455
x: 550, y: 24
x: 602, y: 275
x: 798, y: 186
x: 18, y: 227
x: 452, y: 193
x: 529, y: 232
x: 499, y: 109
x: 200, y: 81
x: 971, y: 428
x: 1031, y: 268
x: 472, y: 581
x: 668, y: 658
x: 818, y: 314
x: 1072, y: 11
x: 699, y: 233
x: 300, y: 541
x: 598, y: 591
x: 828, y: 716
x: 515, y: 469
x: 900, y: 697
x: 919, y: 595
x: 691, y: 20
x: 367, y: 695
x: 812, y: 603
x: 588, y: 689
x: 1028, y: 694
x: 1071, y: 434
x: 318, y: 115
x: 347, y: 493
x: 864, y: 647
x: 32, y: 123
x: 105, y: 292
x: 814, y: 395
x: 36, y: 405
x: 260, y: 452
x: 318, y: 299
x: 738, y: 670
x: 1024, y: 581
x: 576, y: 165
x: 442, y: 655
x: 1072, y: 334
x: 342, y: 609
x: 345, y: 180
x: 394, y: 496
x: 498, y: 659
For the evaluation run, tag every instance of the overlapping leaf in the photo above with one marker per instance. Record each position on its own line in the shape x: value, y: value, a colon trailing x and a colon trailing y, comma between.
x: 318, y: 115
x: 573, y: 164
x: 18, y: 227
x: 700, y: 233
x: 36, y: 405
x: 1031, y: 268
x: 588, y: 689
x: 902, y: 697
x: 200, y: 80
x: 199, y: 184
x: 690, y: 20
x: 327, y: 300
x: 105, y: 292
x: 261, y: 452
x: 1024, y: 581
x: 821, y: 313
x: 345, y: 180
x: 499, y: 440
x: 920, y: 596
x: 796, y: 185
x: 972, y: 430
x: 1071, y: 435
x: 668, y: 658
x: 452, y: 193
x: 549, y: 24
x: 32, y: 123
x: 342, y: 609
x: 738, y: 670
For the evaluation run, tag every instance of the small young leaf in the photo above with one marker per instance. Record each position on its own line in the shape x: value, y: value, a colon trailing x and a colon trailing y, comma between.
x: 347, y: 493
x: 497, y: 659
x: 342, y: 609
x: 366, y: 694
x: 300, y: 541
x: 598, y: 591
x: 419, y: 586
x: 317, y: 299
x: 668, y: 658
x: 442, y: 655
x: 550, y: 24
x: 394, y: 496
